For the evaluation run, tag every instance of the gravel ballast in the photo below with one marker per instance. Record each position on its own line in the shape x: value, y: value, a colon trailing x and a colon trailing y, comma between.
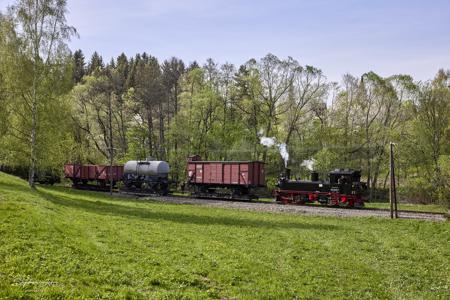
x: 298, y: 209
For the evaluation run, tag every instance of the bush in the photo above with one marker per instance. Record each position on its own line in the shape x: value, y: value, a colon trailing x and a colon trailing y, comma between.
x: 417, y: 190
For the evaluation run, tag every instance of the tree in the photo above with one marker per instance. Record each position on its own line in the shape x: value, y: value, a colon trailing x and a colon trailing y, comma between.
x: 79, y: 66
x: 4, y: 108
x: 274, y: 78
x: 91, y: 113
x: 309, y: 88
x: 118, y: 76
x: 246, y: 99
x: 172, y: 70
x: 42, y: 32
x: 433, y: 120
x: 147, y: 96
x: 4, y: 111
x: 225, y: 86
x: 193, y: 65
x: 96, y: 65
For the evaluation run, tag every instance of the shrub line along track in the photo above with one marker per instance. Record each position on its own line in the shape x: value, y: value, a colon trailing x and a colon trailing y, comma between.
x: 296, y: 209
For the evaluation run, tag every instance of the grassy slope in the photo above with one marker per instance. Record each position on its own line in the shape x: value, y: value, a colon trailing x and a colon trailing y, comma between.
x: 63, y: 243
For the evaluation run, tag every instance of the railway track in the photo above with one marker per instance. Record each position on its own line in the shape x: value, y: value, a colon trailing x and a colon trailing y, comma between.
x: 266, y: 206
x: 296, y: 209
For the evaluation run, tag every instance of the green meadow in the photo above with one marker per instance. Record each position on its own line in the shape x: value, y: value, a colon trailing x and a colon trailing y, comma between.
x: 58, y: 243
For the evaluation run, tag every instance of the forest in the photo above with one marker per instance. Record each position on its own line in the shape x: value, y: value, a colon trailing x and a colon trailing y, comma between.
x: 59, y: 106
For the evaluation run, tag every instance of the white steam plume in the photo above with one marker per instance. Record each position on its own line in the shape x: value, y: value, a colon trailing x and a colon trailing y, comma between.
x: 270, y: 142
x: 309, y: 164
x: 284, y: 153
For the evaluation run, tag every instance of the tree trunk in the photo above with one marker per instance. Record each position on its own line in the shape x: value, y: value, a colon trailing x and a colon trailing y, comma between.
x: 33, y: 128
x: 122, y: 128
x: 111, y: 146
x: 369, y: 172
x: 33, y: 140
x: 150, y: 131
x: 161, y: 132
x: 175, y: 113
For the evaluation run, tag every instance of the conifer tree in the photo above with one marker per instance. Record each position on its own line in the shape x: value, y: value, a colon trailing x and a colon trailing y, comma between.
x: 79, y: 66
x: 96, y: 65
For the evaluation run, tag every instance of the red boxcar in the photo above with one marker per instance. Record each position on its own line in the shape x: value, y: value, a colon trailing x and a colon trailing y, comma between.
x: 83, y: 174
x: 212, y: 177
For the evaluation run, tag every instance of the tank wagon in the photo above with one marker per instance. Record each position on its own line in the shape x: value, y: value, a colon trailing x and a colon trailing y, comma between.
x: 147, y: 175
x: 343, y: 188
x: 225, y: 179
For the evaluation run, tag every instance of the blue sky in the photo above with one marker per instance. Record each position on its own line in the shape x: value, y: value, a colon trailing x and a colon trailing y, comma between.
x: 338, y: 36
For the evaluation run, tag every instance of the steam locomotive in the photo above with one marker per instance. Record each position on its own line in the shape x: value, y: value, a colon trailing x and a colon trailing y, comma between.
x: 343, y: 188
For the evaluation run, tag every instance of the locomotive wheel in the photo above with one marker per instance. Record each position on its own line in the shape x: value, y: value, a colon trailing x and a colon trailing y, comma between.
x: 128, y: 184
x: 298, y: 199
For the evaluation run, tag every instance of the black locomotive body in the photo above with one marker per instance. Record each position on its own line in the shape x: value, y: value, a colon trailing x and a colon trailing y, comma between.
x: 343, y: 188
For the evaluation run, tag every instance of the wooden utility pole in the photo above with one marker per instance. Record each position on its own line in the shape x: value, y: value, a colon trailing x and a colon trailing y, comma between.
x: 111, y: 149
x: 392, y: 188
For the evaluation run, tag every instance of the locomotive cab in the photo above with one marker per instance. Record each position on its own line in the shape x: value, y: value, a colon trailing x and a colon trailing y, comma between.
x: 283, y: 178
x: 345, y: 181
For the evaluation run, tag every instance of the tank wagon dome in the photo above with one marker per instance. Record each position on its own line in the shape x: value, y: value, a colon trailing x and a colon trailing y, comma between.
x: 147, y: 168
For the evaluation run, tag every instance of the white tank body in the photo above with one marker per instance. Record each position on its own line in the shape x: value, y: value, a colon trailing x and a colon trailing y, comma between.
x: 146, y: 168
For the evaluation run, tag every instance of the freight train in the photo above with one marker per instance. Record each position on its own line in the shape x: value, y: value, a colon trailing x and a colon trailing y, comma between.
x: 241, y: 180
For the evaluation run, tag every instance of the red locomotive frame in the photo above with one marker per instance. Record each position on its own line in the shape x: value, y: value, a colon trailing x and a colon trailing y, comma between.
x: 325, y: 198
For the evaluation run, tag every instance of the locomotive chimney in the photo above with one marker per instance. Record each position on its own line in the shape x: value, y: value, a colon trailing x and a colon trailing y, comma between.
x: 288, y: 173
x: 314, y: 176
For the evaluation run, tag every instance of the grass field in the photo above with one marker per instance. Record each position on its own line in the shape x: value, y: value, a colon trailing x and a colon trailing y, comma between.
x: 59, y: 243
